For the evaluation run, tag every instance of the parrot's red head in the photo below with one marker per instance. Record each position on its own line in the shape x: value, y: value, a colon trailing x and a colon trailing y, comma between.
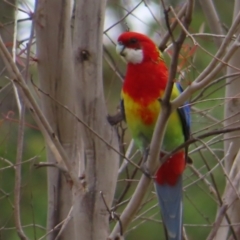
x: 137, y: 48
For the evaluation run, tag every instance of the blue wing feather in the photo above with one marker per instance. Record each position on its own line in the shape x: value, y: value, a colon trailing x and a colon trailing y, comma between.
x: 170, y: 197
x: 170, y: 201
x: 184, y: 113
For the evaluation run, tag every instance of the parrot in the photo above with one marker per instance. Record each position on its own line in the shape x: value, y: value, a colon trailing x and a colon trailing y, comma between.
x: 143, y: 87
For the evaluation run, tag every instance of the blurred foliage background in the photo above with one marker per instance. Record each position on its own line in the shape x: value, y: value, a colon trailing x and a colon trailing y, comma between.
x: 200, y: 202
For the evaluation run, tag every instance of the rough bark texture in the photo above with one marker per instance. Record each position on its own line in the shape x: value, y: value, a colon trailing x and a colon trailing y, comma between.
x: 100, y: 161
x: 69, y: 52
x: 56, y: 79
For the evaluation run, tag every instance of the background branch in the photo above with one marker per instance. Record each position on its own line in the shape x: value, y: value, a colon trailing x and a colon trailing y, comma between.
x: 153, y: 158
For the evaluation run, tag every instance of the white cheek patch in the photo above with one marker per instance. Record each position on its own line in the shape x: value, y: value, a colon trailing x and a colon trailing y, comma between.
x: 132, y: 55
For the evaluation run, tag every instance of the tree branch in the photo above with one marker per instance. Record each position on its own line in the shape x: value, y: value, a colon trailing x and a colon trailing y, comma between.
x: 43, y: 124
x: 153, y: 158
x: 214, y: 67
x: 213, y: 19
x: 18, y: 167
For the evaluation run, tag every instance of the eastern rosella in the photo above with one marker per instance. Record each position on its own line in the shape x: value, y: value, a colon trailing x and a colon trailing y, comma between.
x: 144, y: 85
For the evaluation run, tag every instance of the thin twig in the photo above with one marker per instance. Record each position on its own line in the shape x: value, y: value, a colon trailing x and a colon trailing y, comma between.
x: 20, y: 142
x: 42, y: 122
x: 130, y: 12
x: 152, y: 161
x: 66, y: 221
x: 165, y: 38
x: 18, y: 167
x: 231, y: 196
x: 195, y: 139
x: 85, y: 125
x: 214, y: 67
x: 213, y: 19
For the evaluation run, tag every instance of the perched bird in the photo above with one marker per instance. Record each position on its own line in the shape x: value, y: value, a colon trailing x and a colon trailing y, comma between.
x: 144, y: 85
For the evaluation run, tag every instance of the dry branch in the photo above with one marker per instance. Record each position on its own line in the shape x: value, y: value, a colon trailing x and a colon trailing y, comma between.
x: 213, y: 19
x: 153, y: 158
x: 43, y: 124
x: 218, y: 62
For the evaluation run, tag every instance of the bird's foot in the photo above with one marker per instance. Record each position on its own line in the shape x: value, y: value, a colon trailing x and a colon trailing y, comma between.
x: 115, y: 119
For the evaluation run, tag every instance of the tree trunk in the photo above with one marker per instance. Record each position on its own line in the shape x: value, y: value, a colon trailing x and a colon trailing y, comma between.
x: 70, y: 71
x: 101, y: 166
x: 232, y: 143
x: 6, y: 32
x: 56, y: 79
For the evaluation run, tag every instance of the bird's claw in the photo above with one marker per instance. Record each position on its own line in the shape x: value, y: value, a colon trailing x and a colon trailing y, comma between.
x: 115, y: 119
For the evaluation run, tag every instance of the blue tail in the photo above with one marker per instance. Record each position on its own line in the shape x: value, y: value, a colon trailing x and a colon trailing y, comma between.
x: 170, y: 201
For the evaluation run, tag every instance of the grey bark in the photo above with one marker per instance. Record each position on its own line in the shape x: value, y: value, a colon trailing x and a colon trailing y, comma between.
x: 56, y: 79
x: 100, y: 161
x: 231, y: 146
x: 70, y: 71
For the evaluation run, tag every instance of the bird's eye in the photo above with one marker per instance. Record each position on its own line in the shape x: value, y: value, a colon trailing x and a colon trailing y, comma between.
x: 133, y: 40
